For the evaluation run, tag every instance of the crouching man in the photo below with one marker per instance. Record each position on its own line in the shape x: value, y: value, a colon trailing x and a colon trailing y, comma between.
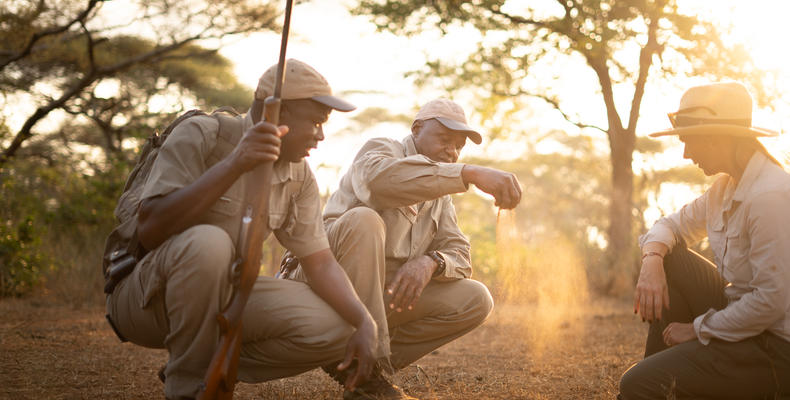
x: 392, y: 226
x: 189, y: 221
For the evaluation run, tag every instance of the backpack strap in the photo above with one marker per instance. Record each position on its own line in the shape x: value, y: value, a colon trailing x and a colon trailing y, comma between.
x: 230, y: 130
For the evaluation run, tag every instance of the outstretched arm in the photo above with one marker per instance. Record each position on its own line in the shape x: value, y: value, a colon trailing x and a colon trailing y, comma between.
x: 502, y: 185
x: 383, y: 178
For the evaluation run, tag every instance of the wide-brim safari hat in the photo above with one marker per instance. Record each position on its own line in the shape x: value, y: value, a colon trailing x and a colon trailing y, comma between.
x: 715, y: 109
x: 449, y: 114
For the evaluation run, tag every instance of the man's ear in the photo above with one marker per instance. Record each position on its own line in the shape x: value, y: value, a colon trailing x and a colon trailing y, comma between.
x: 256, y: 110
x: 416, y: 127
x: 284, y: 112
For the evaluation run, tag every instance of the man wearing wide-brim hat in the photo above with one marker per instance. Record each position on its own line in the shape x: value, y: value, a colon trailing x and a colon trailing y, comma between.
x: 393, y: 228
x: 718, y: 330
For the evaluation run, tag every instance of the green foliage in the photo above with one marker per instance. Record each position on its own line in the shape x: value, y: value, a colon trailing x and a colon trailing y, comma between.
x: 52, y: 218
x: 21, y: 263
x: 110, y: 90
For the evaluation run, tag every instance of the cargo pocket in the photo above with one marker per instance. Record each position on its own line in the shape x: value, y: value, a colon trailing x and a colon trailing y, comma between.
x: 149, y: 279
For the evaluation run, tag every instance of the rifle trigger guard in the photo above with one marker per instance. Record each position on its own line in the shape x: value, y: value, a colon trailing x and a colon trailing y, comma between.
x: 234, y: 273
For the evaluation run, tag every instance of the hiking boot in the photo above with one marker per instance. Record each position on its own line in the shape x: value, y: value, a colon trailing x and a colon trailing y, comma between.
x: 377, y: 388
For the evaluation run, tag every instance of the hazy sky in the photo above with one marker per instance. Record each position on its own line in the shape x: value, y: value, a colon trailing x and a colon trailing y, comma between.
x: 355, y: 58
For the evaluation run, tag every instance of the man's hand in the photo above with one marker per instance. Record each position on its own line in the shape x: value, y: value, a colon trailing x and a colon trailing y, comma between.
x: 677, y: 333
x: 502, y: 185
x: 409, y: 282
x: 259, y: 144
x: 651, y: 295
x: 360, y: 346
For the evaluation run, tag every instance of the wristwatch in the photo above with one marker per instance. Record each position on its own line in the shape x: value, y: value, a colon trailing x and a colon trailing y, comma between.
x: 435, y: 256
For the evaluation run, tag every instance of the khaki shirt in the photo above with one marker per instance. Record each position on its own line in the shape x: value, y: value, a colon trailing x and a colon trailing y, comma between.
x: 194, y: 146
x: 411, y: 193
x: 748, y: 226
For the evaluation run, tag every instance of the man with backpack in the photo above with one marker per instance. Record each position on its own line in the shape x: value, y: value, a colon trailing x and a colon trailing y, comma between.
x: 188, y: 224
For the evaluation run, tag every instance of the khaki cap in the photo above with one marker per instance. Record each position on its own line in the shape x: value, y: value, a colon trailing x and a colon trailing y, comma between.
x: 449, y: 114
x: 301, y: 82
x: 722, y: 109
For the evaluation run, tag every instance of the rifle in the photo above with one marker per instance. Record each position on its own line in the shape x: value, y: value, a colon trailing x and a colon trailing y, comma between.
x: 220, y: 379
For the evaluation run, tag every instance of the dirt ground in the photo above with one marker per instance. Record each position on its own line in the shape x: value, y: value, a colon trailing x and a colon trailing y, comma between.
x: 51, y: 351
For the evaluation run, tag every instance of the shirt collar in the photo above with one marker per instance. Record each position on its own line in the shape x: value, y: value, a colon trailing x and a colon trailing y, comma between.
x: 408, y: 144
x: 753, y: 168
x: 738, y: 193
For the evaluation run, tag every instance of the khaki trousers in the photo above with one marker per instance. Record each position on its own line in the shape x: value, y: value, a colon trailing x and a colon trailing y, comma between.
x: 174, y: 294
x: 444, y: 311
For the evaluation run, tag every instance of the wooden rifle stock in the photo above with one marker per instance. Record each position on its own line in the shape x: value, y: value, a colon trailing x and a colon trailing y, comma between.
x: 220, y: 379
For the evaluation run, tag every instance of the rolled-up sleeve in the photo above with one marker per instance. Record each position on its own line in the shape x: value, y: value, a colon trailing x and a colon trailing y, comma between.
x: 381, y: 179
x: 769, y: 259
x: 689, y: 223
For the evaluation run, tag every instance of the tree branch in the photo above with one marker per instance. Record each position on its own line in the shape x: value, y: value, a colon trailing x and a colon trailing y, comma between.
x: 599, y: 66
x: 49, y: 32
x: 95, y: 74
x: 91, y: 53
x: 556, y: 104
x: 645, y: 61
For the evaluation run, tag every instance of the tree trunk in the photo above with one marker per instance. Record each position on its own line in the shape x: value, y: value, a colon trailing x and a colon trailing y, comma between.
x: 619, y: 253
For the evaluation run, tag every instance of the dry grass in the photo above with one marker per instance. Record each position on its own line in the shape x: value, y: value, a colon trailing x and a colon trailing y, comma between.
x: 52, y: 351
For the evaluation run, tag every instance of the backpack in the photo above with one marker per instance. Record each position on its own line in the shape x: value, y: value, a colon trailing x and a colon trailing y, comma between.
x: 122, y: 249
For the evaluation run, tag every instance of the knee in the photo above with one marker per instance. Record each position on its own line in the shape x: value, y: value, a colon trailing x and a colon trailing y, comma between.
x: 204, y: 252
x: 365, y: 222
x: 467, y: 300
x: 482, y: 303
x: 631, y: 384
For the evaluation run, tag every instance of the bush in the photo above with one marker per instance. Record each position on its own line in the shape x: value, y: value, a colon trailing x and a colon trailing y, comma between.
x: 54, y: 221
x: 21, y: 262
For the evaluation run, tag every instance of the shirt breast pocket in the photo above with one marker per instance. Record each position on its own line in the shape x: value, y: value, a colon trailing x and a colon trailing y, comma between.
x: 227, y: 206
x: 284, y: 214
x: 736, y: 258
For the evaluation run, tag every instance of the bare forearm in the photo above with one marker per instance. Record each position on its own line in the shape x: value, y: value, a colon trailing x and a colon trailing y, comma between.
x: 162, y: 217
x: 504, y: 186
x: 655, y: 247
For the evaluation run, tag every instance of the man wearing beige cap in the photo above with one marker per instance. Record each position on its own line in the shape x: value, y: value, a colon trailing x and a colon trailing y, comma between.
x: 718, y: 330
x: 189, y: 220
x: 393, y: 228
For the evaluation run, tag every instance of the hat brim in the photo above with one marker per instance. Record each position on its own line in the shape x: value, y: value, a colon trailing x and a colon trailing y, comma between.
x: 717, y: 130
x: 335, y: 103
x: 472, y: 134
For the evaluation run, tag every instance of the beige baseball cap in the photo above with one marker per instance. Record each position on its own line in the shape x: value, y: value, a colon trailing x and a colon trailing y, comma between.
x: 449, y: 114
x: 301, y: 82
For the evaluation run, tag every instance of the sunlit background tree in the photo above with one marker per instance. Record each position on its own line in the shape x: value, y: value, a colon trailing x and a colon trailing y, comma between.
x: 622, y: 45
x: 83, y: 82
